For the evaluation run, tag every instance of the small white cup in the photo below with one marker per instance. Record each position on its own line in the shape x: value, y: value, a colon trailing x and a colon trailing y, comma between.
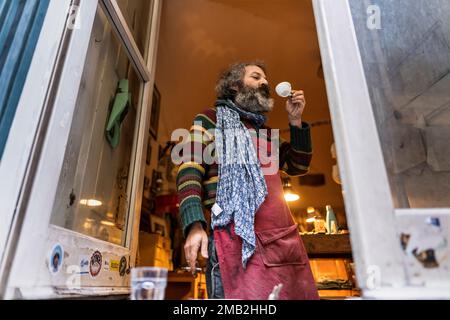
x: 284, y: 89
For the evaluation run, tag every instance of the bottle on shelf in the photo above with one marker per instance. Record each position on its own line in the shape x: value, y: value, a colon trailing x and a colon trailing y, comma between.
x: 331, y: 221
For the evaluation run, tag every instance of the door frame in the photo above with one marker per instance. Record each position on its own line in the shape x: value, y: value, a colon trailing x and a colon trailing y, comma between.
x: 368, y: 200
x: 16, y: 150
x: 375, y: 224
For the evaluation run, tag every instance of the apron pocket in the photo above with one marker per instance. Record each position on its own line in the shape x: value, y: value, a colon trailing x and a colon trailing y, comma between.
x: 280, y: 247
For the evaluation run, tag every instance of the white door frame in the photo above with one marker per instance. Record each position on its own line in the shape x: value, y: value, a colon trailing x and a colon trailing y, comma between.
x: 14, y: 162
x: 374, y: 222
x: 25, y: 270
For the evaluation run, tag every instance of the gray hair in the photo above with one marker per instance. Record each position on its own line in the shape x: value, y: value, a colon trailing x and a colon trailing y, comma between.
x: 233, y: 77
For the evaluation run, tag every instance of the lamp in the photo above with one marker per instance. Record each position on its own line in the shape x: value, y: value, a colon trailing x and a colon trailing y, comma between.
x: 311, y: 215
x: 289, y: 195
x: 91, y: 202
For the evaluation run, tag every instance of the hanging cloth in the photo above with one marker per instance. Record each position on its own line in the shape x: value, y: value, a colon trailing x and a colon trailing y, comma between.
x: 119, y: 111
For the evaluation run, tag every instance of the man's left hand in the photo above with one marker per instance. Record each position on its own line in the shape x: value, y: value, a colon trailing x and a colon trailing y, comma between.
x: 295, y: 107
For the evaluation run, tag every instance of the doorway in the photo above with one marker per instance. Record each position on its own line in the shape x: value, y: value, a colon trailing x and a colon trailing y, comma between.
x: 199, y: 39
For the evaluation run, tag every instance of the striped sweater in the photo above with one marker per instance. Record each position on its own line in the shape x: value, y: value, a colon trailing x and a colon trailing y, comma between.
x: 197, y: 181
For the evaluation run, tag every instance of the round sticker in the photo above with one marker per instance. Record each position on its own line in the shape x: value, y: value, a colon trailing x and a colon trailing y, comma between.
x: 95, y: 264
x: 56, y: 259
x: 123, y: 266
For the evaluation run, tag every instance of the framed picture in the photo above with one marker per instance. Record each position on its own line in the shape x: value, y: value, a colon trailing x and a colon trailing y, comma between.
x: 156, y: 108
x: 158, y: 225
x: 155, y: 184
x: 149, y: 152
x: 146, y: 184
x: 148, y: 206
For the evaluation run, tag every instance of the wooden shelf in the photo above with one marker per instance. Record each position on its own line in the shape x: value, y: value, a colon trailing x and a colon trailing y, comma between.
x: 183, y: 286
x: 327, y: 245
x: 329, y: 255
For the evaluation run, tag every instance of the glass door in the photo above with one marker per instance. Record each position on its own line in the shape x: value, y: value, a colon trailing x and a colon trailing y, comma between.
x: 94, y: 191
x: 81, y: 217
x: 387, y: 69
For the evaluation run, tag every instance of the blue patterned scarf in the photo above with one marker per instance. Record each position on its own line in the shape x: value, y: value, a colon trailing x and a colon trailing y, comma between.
x: 241, y: 188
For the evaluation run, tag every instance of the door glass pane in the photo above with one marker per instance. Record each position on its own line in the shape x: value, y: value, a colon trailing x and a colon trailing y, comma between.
x: 93, y: 195
x: 405, y: 50
x: 138, y: 15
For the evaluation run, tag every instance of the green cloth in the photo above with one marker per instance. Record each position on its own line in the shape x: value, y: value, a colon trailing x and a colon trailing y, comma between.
x: 119, y: 111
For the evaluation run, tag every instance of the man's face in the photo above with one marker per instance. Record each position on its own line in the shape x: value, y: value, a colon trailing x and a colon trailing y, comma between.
x: 254, y: 77
x: 254, y: 96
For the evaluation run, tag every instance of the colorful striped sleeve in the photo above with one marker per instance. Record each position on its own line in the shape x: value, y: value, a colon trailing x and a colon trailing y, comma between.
x: 296, y: 156
x: 192, y: 171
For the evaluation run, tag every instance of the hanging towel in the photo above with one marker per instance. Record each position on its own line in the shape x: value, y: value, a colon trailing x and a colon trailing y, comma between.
x: 119, y: 111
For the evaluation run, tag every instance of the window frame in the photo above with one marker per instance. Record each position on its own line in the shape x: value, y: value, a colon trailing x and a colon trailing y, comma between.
x: 35, y: 236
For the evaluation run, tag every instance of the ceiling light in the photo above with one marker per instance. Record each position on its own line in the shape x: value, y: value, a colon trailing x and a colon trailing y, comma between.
x: 91, y: 203
x: 289, y: 195
x: 108, y: 223
x: 311, y: 220
x: 311, y: 215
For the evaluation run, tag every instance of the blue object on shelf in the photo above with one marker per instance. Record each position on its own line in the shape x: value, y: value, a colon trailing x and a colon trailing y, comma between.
x: 331, y: 221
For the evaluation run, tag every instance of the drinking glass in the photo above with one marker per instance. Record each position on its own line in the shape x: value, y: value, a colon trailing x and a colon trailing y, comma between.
x: 148, y: 283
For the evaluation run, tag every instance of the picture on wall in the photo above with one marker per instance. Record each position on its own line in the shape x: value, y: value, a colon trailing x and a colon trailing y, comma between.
x: 158, y: 225
x: 156, y: 108
x: 148, y: 160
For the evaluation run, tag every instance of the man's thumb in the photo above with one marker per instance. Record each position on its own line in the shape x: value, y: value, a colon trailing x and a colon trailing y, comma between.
x: 205, y: 247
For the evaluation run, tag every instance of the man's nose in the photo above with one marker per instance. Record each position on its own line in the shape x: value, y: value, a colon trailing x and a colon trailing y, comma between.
x: 264, y: 81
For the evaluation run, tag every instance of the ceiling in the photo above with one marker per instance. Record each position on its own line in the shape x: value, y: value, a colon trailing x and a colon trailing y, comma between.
x: 199, y: 38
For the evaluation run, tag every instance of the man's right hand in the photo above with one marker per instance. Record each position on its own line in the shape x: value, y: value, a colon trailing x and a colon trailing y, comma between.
x: 197, y: 239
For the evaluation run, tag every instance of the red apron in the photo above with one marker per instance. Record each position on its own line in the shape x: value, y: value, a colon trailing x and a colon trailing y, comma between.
x: 280, y: 256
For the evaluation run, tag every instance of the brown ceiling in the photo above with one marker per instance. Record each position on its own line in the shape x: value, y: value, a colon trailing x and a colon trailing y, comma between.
x: 199, y: 38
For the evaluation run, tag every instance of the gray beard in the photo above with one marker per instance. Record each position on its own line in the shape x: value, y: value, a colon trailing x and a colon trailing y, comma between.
x: 254, y: 101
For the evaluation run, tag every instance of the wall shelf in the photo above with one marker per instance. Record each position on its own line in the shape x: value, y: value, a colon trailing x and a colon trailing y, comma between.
x: 327, y: 245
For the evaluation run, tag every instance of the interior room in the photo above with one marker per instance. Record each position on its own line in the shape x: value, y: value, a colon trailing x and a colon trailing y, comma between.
x: 199, y: 39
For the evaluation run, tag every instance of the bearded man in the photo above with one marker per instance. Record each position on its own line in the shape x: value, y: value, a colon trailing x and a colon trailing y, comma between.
x: 253, y: 243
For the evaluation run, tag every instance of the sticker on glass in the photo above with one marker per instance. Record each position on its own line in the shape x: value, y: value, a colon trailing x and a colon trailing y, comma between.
x: 56, y: 259
x: 95, y: 265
